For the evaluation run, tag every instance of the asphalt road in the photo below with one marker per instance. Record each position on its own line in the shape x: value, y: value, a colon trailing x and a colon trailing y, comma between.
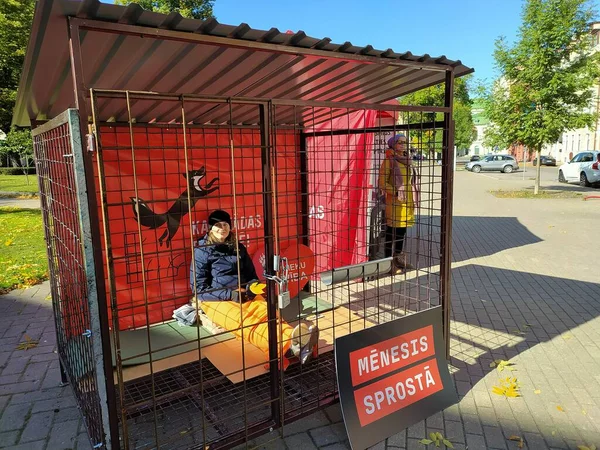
x: 524, y: 178
x: 528, y: 173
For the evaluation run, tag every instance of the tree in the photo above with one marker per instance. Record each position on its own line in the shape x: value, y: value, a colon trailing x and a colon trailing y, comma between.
x: 192, y: 9
x: 17, y: 149
x: 16, y: 17
x: 546, y: 79
x: 464, y: 132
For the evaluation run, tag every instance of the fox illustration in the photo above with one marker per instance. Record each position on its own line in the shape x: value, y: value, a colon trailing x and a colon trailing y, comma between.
x: 178, y: 210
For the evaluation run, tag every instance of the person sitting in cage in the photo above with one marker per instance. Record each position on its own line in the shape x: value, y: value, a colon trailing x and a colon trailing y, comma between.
x: 400, y: 181
x: 228, y: 293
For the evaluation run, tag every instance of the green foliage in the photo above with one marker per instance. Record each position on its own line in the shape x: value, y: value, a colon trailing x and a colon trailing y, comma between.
x: 23, y: 256
x: 16, y: 17
x: 546, y: 76
x: 193, y: 9
x: 465, y: 132
x: 437, y: 439
x: 17, y: 142
x: 524, y: 193
x: 17, y: 149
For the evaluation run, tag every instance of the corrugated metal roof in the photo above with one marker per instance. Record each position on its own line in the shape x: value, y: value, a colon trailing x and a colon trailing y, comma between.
x: 169, y: 53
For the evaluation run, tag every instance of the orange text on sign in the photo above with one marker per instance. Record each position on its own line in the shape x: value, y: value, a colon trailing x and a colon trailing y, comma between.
x: 384, y: 357
x: 397, y: 391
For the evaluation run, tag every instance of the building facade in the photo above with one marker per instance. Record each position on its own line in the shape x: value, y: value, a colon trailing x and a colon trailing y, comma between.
x: 481, y: 122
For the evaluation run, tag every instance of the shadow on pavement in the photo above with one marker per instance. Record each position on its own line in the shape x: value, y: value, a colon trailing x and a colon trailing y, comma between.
x: 474, y: 237
x: 546, y: 326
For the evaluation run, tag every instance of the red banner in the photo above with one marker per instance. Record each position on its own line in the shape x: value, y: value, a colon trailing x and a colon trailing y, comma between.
x: 342, y: 176
x: 157, y: 250
x: 338, y: 176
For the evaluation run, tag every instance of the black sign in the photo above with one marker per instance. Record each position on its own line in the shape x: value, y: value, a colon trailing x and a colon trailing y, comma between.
x: 392, y: 376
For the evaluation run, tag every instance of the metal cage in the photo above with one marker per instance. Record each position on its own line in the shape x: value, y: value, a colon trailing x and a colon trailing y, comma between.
x: 177, y: 393
x: 67, y: 228
x: 286, y: 133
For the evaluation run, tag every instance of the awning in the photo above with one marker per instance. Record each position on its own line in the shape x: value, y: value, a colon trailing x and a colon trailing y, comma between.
x: 128, y: 48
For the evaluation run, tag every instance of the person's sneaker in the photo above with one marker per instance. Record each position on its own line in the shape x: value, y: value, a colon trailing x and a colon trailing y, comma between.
x: 401, y: 262
x: 304, y: 340
x: 397, y: 267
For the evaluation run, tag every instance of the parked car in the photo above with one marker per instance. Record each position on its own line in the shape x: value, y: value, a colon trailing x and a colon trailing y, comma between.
x: 503, y: 163
x: 545, y: 161
x: 583, y: 168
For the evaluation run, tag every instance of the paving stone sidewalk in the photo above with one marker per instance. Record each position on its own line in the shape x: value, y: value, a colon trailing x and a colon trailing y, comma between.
x: 26, y: 203
x: 525, y: 289
x: 37, y: 413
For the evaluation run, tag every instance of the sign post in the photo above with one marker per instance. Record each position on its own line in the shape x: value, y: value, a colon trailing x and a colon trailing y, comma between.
x: 392, y: 376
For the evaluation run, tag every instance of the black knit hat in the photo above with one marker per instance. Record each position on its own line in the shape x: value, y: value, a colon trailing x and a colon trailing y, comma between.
x: 218, y: 216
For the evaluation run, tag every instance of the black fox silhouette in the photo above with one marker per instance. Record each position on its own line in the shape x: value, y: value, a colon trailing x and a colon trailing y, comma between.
x: 178, y: 210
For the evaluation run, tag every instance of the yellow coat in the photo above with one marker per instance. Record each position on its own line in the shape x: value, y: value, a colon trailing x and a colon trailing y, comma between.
x: 397, y: 214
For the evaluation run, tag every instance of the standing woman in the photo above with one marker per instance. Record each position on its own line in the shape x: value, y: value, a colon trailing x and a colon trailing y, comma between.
x: 400, y: 182
x: 223, y: 278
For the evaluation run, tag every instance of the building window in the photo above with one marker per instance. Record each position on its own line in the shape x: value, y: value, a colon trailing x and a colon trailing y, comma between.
x: 587, y: 144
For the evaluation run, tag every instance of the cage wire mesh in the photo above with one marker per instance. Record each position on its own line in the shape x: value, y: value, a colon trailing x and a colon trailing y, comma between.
x: 300, y: 181
x: 344, y: 217
x: 61, y: 215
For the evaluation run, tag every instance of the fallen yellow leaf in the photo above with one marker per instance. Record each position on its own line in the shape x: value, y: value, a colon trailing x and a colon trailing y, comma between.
x: 509, y: 387
x: 560, y: 408
x: 537, y: 391
x: 27, y: 344
x: 517, y: 439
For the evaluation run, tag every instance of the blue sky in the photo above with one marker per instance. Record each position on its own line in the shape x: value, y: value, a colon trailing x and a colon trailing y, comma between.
x: 458, y: 29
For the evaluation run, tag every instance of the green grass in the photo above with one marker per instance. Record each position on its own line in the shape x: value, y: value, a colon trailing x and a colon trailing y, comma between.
x: 22, y: 248
x: 524, y: 193
x: 18, y: 183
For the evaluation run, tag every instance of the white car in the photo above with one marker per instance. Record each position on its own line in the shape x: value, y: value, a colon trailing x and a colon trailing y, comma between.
x: 583, y: 168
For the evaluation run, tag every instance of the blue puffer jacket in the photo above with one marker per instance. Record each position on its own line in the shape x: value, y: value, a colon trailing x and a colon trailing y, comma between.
x: 217, y: 272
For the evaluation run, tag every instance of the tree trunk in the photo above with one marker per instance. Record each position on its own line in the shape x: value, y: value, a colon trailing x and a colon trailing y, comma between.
x: 538, y: 171
x: 14, y: 159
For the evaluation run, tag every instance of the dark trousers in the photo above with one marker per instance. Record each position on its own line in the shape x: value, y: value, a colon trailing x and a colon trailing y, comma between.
x: 394, y: 240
